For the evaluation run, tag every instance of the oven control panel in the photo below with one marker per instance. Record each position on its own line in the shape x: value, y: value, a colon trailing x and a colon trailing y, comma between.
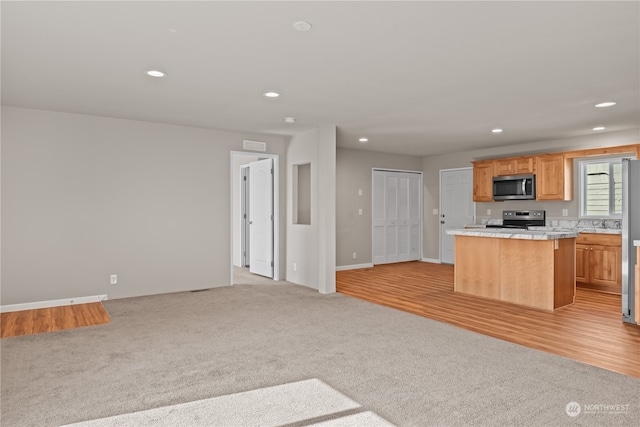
x: 524, y: 215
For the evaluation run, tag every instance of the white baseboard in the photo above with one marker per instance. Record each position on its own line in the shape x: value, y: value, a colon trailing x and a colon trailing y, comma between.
x: 431, y: 260
x: 353, y: 267
x: 52, y: 303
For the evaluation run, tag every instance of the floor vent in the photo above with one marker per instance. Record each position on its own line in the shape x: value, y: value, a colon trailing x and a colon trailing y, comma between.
x: 254, y: 145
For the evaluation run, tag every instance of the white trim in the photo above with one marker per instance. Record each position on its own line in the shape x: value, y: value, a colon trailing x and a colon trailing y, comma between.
x: 456, y: 169
x: 582, y: 196
x: 52, y: 303
x: 353, y: 267
x: 396, y: 170
x: 276, y: 209
x: 431, y: 260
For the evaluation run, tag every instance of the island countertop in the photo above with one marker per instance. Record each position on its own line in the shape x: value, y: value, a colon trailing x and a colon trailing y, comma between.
x: 511, y: 233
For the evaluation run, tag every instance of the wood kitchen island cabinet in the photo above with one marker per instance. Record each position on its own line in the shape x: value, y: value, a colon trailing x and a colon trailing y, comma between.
x: 531, y: 268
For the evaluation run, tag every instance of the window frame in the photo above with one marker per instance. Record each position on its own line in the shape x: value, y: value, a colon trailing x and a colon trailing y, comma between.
x: 582, y: 177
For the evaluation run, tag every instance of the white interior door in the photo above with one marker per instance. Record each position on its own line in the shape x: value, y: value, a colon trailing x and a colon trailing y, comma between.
x: 396, y: 216
x: 456, y: 207
x: 261, y: 217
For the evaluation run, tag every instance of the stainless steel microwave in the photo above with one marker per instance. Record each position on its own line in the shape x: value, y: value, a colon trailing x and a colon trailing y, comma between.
x: 517, y: 187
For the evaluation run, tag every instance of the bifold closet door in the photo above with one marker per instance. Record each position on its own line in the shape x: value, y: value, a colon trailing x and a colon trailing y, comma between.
x: 396, y: 216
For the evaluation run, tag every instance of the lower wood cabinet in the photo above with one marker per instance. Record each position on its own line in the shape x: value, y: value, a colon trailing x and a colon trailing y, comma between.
x: 599, y: 262
x: 532, y: 273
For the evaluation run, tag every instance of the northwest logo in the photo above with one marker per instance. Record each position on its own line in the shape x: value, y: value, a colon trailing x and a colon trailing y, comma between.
x: 573, y: 409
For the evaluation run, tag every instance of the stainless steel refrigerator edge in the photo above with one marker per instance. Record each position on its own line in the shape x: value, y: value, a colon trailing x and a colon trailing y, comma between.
x: 630, y: 232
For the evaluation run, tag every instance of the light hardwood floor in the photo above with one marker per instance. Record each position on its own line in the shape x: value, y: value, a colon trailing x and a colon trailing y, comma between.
x: 590, y: 331
x: 52, y: 319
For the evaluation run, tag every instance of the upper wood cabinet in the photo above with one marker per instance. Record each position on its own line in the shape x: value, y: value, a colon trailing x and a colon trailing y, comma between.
x: 554, y: 172
x: 483, y: 181
x: 554, y: 176
x: 514, y: 166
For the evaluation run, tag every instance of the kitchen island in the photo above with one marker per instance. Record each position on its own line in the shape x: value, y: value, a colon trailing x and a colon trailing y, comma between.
x: 531, y: 268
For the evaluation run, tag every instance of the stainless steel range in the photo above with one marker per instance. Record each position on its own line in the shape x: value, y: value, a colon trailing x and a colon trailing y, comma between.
x: 521, y: 219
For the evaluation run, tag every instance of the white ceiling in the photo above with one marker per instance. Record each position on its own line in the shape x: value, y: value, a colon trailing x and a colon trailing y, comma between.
x: 416, y: 78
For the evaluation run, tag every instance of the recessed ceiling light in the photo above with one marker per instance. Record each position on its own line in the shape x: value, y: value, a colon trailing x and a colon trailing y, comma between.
x: 606, y: 104
x: 363, y: 139
x: 156, y: 73
x: 497, y: 130
x: 289, y: 120
x: 599, y: 128
x: 271, y: 94
x: 301, y: 26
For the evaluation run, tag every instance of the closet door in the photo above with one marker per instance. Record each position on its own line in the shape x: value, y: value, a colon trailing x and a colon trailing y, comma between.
x: 409, y: 217
x: 397, y: 216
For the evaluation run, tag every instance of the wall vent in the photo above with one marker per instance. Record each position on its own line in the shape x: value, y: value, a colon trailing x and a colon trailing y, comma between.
x: 254, y: 145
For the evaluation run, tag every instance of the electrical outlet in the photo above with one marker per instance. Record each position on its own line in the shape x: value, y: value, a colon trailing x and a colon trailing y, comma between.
x: 354, y: 255
x: 295, y: 267
x: 360, y: 192
x: 565, y: 212
x: 359, y: 211
x: 488, y: 211
x: 114, y: 279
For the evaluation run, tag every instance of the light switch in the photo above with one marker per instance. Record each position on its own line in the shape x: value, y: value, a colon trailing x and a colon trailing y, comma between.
x: 359, y: 211
x: 360, y: 192
x: 435, y: 211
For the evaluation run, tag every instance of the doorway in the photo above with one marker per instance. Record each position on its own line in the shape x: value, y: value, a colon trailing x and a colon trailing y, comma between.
x: 457, y: 208
x: 254, y: 218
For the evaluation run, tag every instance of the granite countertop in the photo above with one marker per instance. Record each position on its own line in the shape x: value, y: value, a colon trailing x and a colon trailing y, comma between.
x: 511, y: 233
x: 594, y: 230
x: 580, y: 230
x: 596, y: 226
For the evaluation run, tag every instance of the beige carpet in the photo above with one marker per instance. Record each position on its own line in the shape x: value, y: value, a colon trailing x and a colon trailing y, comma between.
x: 170, y: 349
x: 301, y: 402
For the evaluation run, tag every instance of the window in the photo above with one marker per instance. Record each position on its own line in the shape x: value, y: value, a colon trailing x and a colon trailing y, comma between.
x: 601, y: 188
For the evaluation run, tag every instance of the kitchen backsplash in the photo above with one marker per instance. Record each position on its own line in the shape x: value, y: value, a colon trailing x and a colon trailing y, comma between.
x: 568, y: 223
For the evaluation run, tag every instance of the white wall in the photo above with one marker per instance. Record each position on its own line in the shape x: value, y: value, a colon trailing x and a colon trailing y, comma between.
x: 312, y: 247
x: 354, y: 169
x: 84, y: 197
x: 327, y: 208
